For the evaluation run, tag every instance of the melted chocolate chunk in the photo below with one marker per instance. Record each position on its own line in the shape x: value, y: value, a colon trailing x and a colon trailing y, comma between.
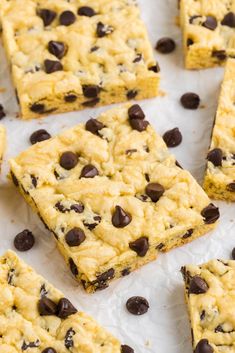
x: 39, y: 135
x: 94, y: 126
x: 121, y: 218
x: 126, y: 349
x: 140, y: 246
x: 47, y: 16
x: 89, y: 171
x: 59, y: 49
x: 210, y: 214
x: 47, y: 307
x: 68, y: 160
x: 70, y: 98
x: 103, y: 30
x: 24, y: 241
x: 229, y: 20
x: 154, y: 191
x: 52, y: 66
x: 73, y: 267
x: 86, y: 11
x: 137, y: 305
x: 38, y: 108
x: 198, y: 285
x: 65, y: 308
x: 215, y: 156
x: 68, y: 340
x: 165, y: 45
x: 75, y: 237
x: 210, y: 23
x: 67, y: 18
x: 172, y: 138
x: 203, y: 346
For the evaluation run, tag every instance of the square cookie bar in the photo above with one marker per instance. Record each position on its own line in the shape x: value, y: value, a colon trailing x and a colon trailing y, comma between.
x: 209, y: 293
x: 2, y: 142
x: 219, y: 180
x: 36, y: 317
x: 112, y: 195
x: 69, y: 55
x: 208, y: 32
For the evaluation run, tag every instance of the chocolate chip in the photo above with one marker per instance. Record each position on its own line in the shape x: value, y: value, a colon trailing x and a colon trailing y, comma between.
x: 229, y: 20
x: 68, y: 160
x: 101, y: 281
x: 135, y: 112
x: 58, y: 49
x: 46, y: 307
x: 34, y: 180
x: 210, y: 214
x: 121, y: 218
x: 203, y: 315
x: 198, y: 285
x: 190, y: 100
x: 172, y: 137
x: 91, y: 226
x: 131, y: 94
x: 73, y: 267
x: 91, y: 103
x: 165, y: 45
x: 137, y: 305
x: 203, y: 346
x: 47, y: 16
x: 10, y: 276
x: 139, y: 125
x: 126, y: 349
x: 24, y: 241
x: 231, y: 187
x: 103, y: 30
x: 154, y: 191
x: 155, y: 68
x: 86, y: 11
x: 219, y: 328
x: 39, y: 135
x: 94, y: 126
x: 192, y: 18
x: 160, y: 247
x: 126, y: 271
x: 25, y: 345
x: 52, y: 66
x: 233, y: 254
x: 189, y: 42
x: 188, y: 234
x: 93, y: 49
x: 138, y: 58
x: 49, y: 350
x: 210, y: 23
x: 219, y: 54
x: 215, y: 156
x: 140, y: 246
x: 70, y: 98
x: 65, y: 308
x: 75, y: 237
x: 43, y: 290
x: 68, y: 340
x: 77, y: 207
x: 89, y: 171
x: 38, y: 108
x: 67, y: 18
x: 91, y: 91
x: 2, y: 112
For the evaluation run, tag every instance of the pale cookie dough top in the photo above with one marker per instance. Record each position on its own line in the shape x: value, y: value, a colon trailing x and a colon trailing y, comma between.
x: 210, y: 24
x: 33, y: 318
x: 111, y: 167
x: 211, y: 300
x: 105, y: 46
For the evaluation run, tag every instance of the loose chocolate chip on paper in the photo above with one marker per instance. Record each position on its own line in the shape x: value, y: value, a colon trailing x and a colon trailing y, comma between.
x: 203, y: 346
x: 190, y: 100
x: 135, y: 112
x: 86, y: 11
x: 52, y: 66
x: 58, y: 49
x: 198, y: 285
x: 24, y: 241
x: 47, y: 16
x: 49, y: 350
x: 47, y: 307
x: 165, y: 45
x: 210, y: 23
x: 68, y: 160
x: 65, y: 308
x: 70, y: 98
x: 173, y: 137
x: 210, y: 214
x: 219, y: 54
x: 137, y: 305
x: 73, y: 267
x: 103, y: 30
x: 140, y: 246
x: 229, y: 20
x: 94, y: 126
x: 67, y: 18
x: 215, y: 156
x: 75, y: 237
x: 154, y: 191
x: 39, y: 135
x: 121, y: 218
x: 91, y: 91
x: 126, y: 349
x: 38, y: 108
x: 89, y: 171
x: 139, y: 125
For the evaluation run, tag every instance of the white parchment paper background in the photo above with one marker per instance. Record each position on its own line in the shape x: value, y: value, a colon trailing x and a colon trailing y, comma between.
x: 165, y: 327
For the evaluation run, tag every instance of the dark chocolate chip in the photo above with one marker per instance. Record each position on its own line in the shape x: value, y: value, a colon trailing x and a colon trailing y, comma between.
x: 94, y: 125
x: 89, y: 171
x: 154, y: 191
x: 91, y: 91
x: 101, y: 281
x: 160, y: 246
x: 215, y: 156
x: 25, y: 345
x: 203, y: 315
x: 192, y: 18
x: 10, y: 276
x: 188, y: 234
x: 126, y: 349
x: 58, y: 49
x: 2, y: 112
x: 135, y: 112
x: 92, y: 226
x: 198, y: 285
x: 131, y: 151
x: 77, y: 207
x: 70, y: 98
x: 126, y: 271
x: 34, y: 180
x: 140, y: 246
x: 121, y: 218
x: 172, y: 137
x: 95, y: 48
x: 165, y: 45
x: 147, y: 177
x: 75, y: 237
x: 231, y: 187
x: 49, y: 350
x: 219, y: 328
x: 219, y: 54
x: 229, y: 20
x: 91, y: 103
x: 43, y: 290
x: 68, y: 160
x: 210, y: 23
x: 52, y: 66
x: 73, y: 267
x: 203, y: 346
x: 67, y: 18
x: 139, y: 125
x: 190, y: 100
x: 189, y: 42
x: 68, y: 340
x: 61, y: 207
x: 65, y: 308
x: 155, y: 68
x: 137, y: 305
x: 131, y: 94
x: 233, y: 254
x: 210, y: 214
x: 24, y: 241
x: 103, y: 30
x: 38, y: 108
x: 46, y: 307
x: 39, y: 135
x: 86, y: 11
x: 47, y: 16
x: 138, y: 58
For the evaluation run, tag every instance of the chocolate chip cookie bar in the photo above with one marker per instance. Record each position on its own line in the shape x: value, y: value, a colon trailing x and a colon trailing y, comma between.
x: 112, y: 195
x: 209, y: 293
x: 208, y: 32
x: 69, y: 55
x: 37, y: 317
x: 219, y: 180
x: 2, y: 142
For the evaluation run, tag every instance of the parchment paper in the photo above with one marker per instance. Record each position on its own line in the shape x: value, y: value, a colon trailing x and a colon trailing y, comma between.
x: 165, y: 328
